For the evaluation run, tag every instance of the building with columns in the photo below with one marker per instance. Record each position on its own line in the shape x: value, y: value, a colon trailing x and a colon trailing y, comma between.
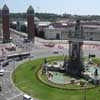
x: 5, y: 24
x: 91, y: 31
x: 30, y: 23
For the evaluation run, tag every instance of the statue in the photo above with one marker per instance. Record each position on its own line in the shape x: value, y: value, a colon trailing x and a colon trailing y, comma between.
x: 45, y: 61
x: 44, y: 66
x: 96, y: 72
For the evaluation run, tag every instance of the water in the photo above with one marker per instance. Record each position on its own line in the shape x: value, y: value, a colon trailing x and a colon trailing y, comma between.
x: 92, y: 70
x: 58, y: 78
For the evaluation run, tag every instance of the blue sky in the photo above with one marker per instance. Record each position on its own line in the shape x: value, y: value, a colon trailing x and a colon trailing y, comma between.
x: 79, y: 7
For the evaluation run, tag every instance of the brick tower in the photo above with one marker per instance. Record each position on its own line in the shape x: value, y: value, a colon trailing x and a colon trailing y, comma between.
x: 30, y: 23
x: 5, y: 24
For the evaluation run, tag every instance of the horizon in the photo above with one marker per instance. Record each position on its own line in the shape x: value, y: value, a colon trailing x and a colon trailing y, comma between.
x: 82, y: 8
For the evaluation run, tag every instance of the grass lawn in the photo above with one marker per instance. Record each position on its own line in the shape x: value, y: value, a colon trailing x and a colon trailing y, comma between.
x: 25, y: 79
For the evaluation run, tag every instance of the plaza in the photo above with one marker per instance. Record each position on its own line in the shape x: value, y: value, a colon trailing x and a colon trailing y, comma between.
x: 63, y: 63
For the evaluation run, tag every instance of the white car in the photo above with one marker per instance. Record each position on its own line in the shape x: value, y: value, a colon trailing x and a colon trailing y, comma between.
x: 27, y: 97
x: 2, y: 72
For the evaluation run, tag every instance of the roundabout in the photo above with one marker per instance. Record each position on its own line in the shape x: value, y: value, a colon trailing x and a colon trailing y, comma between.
x: 27, y: 77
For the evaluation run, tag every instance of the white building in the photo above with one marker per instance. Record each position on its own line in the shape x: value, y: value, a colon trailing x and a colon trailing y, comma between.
x: 90, y: 32
x: 56, y: 32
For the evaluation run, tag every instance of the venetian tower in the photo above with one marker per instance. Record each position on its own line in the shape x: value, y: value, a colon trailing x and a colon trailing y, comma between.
x: 30, y: 23
x: 5, y: 24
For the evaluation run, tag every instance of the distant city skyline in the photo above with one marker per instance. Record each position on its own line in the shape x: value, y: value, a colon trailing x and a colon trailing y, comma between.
x: 74, y: 7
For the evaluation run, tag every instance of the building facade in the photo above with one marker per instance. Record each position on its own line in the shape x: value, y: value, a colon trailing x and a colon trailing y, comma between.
x: 90, y: 32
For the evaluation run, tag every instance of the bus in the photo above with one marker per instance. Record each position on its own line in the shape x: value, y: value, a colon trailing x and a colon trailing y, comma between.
x: 19, y: 55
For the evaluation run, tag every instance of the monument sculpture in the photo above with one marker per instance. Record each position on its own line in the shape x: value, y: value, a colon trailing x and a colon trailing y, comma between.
x: 75, y: 66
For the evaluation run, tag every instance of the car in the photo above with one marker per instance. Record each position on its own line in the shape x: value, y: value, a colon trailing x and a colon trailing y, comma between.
x: 5, y: 63
x: 31, y: 56
x: 27, y: 97
x: 18, y: 58
x: 55, y: 52
x: 26, y: 40
x: 2, y: 72
x: 49, y: 44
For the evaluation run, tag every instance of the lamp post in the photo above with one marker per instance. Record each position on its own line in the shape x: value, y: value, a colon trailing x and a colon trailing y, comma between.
x: 85, y: 90
x: 4, y: 57
x: 14, y: 69
x: 30, y: 48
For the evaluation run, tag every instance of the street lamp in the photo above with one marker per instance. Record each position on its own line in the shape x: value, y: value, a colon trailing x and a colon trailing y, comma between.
x: 28, y: 47
x: 85, y: 89
x: 14, y: 69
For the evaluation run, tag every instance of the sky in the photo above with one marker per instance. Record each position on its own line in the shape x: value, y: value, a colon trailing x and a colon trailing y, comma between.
x: 74, y: 7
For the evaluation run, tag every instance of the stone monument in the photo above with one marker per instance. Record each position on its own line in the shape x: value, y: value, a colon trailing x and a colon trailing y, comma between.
x: 75, y: 66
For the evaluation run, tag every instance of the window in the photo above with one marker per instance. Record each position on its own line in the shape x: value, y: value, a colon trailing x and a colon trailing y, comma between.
x: 57, y: 36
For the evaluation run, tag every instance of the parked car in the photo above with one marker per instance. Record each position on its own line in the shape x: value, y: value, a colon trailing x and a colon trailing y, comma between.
x: 27, y: 97
x: 18, y: 58
x: 26, y: 40
x: 55, y: 52
x: 5, y: 63
x: 2, y: 72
